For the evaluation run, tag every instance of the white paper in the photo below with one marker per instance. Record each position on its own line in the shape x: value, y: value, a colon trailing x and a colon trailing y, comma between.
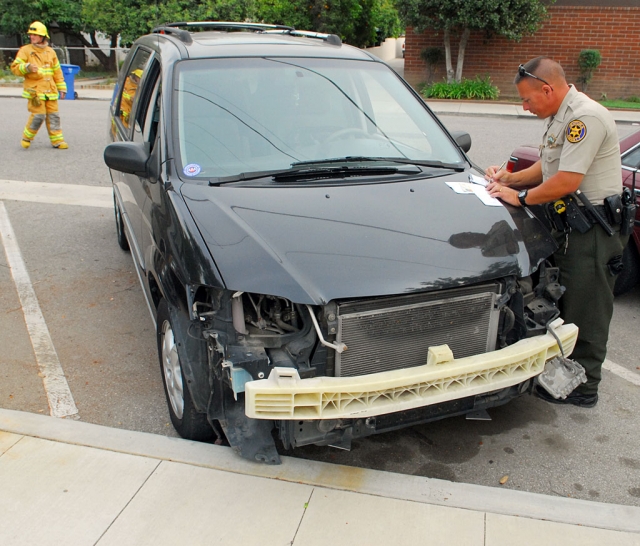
x: 476, y: 189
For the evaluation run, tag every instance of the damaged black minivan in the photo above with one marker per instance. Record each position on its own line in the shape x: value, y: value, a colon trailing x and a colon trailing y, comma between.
x: 320, y: 257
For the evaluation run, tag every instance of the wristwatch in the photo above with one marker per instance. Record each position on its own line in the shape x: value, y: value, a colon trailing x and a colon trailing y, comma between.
x: 522, y: 197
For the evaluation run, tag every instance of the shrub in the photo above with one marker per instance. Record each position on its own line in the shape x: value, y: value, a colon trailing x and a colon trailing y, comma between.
x: 477, y: 88
x: 432, y: 57
x: 588, y: 61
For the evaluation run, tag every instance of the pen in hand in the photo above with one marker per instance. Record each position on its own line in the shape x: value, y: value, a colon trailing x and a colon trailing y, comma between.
x: 499, y: 169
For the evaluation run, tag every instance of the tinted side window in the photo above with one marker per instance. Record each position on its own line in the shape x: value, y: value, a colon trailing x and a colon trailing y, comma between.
x: 130, y: 88
x: 147, y: 99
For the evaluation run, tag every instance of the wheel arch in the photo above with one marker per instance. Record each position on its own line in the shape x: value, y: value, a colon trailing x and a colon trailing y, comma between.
x: 194, y: 355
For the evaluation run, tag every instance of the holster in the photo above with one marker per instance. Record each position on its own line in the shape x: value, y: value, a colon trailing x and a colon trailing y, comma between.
x: 575, y: 216
x: 615, y: 265
x: 565, y: 214
x: 613, y: 209
x: 554, y: 212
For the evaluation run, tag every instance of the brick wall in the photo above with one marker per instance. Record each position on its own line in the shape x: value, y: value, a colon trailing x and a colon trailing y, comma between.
x: 614, y: 31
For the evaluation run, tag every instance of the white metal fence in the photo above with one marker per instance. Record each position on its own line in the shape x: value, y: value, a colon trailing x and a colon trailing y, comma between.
x: 63, y: 54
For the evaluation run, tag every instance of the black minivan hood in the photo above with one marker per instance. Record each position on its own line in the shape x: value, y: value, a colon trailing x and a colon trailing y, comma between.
x: 313, y: 244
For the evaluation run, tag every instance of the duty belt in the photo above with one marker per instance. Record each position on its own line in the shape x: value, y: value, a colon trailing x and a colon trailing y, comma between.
x: 574, y: 211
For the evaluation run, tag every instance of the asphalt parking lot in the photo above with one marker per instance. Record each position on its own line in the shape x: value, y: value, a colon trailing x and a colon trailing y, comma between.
x: 99, y: 327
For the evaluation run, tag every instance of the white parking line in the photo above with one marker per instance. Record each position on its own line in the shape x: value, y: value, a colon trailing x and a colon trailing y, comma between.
x: 61, y: 403
x: 62, y: 194
x: 620, y: 371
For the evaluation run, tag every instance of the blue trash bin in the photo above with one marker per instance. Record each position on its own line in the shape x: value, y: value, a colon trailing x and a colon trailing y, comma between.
x: 69, y: 72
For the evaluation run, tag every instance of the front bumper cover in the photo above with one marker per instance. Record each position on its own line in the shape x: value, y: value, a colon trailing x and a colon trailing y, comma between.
x: 284, y: 396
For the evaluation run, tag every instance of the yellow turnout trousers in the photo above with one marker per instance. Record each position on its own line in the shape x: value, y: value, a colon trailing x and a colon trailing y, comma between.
x: 46, y: 110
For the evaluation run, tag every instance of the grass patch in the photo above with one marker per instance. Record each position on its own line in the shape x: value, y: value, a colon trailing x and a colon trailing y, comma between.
x: 629, y: 103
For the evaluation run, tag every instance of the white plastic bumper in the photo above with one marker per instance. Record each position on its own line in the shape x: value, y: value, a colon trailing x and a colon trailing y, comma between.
x: 285, y: 396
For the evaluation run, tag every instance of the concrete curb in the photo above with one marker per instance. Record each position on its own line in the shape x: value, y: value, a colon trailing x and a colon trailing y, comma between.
x: 371, y: 482
x: 84, y: 93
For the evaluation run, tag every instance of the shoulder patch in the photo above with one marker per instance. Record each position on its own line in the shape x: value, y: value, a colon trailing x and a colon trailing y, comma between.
x: 576, y: 131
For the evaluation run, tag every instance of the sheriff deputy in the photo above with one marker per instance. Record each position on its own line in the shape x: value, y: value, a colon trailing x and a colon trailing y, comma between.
x: 580, y: 152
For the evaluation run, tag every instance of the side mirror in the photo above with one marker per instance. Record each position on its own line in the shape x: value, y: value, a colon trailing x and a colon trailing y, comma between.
x: 463, y: 139
x: 127, y: 157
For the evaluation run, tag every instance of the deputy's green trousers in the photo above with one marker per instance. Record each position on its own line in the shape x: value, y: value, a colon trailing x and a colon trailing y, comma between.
x: 588, y: 301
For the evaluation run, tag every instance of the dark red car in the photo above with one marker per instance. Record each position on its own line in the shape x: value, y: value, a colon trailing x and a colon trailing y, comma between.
x: 526, y: 156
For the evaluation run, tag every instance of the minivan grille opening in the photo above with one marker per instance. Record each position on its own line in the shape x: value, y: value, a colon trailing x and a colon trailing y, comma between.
x: 395, y: 333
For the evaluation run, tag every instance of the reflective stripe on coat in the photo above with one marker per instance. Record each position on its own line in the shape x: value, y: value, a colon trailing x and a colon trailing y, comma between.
x: 48, y: 81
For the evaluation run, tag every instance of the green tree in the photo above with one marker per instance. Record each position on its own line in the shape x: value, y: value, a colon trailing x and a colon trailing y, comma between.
x: 129, y: 19
x: 512, y: 19
x: 357, y: 22
x: 64, y: 15
x: 17, y: 15
x: 386, y: 18
x: 285, y: 12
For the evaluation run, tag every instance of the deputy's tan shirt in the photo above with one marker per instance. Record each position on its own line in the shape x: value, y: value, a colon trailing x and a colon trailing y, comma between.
x: 582, y: 138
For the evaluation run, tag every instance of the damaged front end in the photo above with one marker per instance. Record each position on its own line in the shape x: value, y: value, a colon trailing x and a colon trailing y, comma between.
x: 328, y: 374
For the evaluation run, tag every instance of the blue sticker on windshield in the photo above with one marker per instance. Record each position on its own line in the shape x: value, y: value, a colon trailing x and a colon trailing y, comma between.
x: 192, y: 169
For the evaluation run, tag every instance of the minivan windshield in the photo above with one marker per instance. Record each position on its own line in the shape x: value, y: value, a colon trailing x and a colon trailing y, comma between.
x: 245, y: 115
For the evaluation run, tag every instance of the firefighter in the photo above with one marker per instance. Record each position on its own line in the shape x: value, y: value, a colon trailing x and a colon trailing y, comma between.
x: 43, y: 85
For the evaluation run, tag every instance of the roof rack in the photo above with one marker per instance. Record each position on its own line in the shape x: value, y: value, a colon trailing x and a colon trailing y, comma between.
x: 229, y: 25
x: 332, y: 39
x: 185, y: 36
x: 182, y: 35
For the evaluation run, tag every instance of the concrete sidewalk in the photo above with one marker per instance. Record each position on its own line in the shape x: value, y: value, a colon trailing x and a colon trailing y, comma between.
x: 463, y: 108
x: 74, y: 483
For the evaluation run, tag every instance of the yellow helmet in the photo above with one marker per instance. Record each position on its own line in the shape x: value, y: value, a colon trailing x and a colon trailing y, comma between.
x: 38, y: 28
x: 137, y: 72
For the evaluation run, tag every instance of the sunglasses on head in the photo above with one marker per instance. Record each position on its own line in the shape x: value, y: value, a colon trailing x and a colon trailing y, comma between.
x: 522, y: 72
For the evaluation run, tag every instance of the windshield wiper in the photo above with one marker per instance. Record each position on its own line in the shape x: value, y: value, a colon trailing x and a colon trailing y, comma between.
x: 343, y: 171
x: 403, y: 160
x: 241, y: 177
x: 299, y: 172
x: 337, y: 168
x: 329, y: 161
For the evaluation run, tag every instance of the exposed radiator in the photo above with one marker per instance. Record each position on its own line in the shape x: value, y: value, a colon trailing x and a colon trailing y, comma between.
x: 391, y: 333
